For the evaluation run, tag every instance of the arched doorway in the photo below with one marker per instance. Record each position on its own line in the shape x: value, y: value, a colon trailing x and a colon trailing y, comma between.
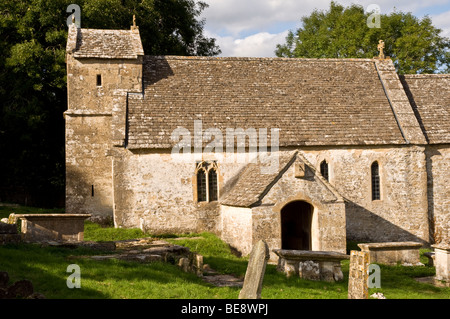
x: 296, y: 220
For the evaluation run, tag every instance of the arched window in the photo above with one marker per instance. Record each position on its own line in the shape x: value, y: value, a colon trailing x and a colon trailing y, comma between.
x: 375, y: 171
x: 201, y: 185
x: 324, y: 169
x: 207, y: 185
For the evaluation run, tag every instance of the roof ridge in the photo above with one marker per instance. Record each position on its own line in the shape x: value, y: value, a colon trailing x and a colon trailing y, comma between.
x: 232, y: 58
x: 277, y: 176
x: 102, y: 30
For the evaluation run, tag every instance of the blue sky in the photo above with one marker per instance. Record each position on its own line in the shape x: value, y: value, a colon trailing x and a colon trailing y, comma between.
x: 254, y: 27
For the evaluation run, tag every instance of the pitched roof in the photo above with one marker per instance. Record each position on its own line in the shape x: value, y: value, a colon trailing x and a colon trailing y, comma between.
x: 108, y: 44
x: 257, y: 179
x: 252, y: 184
x: 429, y: 95
x: 311, y: 101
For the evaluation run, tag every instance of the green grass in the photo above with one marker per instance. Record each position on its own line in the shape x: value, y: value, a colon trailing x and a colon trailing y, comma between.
x: 110, y: 279
x: 215, y: 252
x: 95, y: 232
x: 114, y: 279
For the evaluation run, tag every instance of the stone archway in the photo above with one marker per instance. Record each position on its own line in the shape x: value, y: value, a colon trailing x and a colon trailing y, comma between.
x: 296, y: 222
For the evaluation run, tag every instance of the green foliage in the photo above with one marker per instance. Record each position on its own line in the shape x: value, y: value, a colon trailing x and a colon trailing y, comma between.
x: 414, y: 45
x: 33, y: 35
x: 5, y: 211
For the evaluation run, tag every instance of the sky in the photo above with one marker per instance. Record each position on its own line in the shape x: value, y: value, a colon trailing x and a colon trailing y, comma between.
x: 253, y: 28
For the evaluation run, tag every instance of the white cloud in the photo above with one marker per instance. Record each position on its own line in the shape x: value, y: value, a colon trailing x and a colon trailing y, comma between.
x: 255, y: 27
x: 261, y: 44
x: 234, y: 17
x: 442, y: 21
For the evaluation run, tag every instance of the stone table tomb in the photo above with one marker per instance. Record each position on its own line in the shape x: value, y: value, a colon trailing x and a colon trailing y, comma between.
x: 312, y: 265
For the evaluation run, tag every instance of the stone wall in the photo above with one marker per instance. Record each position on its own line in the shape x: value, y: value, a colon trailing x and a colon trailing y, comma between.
x: 401, y: 213
x: 237, y: 228
x: 438, y: 168
x: 88, y: 166
x: 154, y: 192
x: 82, y: 90
x: 90, y: 130
x: 328, y: 228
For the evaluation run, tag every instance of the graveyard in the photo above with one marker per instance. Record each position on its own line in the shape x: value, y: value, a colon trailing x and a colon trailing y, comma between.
x: 45, y: 266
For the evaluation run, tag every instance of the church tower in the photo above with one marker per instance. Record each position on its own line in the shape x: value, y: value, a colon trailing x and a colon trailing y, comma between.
x: 103, y: 66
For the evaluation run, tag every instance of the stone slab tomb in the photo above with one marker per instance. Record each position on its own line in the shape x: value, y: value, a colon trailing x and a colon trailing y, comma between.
x: 58, y: 227
x: 392, y: 253
x: 442, y: 262
x: 311, y: 265
x: 8, y: 234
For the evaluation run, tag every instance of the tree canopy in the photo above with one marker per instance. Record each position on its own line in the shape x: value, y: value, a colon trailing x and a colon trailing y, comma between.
x: 33, y: 35
x: 414, y: 44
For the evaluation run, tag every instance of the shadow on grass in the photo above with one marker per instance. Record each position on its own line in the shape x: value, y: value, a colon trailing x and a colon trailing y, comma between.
x: 46, y: 268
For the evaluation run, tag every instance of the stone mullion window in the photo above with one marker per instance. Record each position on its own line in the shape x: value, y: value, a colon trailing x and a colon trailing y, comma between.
x: 206, y: 184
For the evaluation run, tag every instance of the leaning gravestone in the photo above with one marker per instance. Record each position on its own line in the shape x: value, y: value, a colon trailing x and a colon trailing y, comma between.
x: 358, y: 275
x: 255, y: 271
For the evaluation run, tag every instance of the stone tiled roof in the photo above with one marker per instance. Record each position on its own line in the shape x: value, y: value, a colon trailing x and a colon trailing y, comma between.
x: 111, y: 44
x: 257, y: 179
x: 429, y: 95
x: 311, y: 101
x: 252, y: 184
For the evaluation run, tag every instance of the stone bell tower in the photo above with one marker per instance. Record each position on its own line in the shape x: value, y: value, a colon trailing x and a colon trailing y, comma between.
x: 102, y: 65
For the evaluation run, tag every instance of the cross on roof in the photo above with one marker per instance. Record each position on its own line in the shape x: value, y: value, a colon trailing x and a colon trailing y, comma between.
x: 134, y: 27
x: 380, y: 48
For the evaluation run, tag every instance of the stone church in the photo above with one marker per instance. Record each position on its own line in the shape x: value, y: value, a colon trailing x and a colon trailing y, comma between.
x: 361, y: 152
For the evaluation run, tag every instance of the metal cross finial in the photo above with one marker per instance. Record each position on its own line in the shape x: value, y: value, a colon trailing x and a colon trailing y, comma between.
x: 380, y: 48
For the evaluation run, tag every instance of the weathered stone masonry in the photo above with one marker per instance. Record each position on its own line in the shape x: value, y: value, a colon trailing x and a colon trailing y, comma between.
x: 123, y: 107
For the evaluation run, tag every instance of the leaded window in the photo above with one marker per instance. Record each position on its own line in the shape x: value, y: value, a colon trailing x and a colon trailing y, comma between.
x: 201, y: 185
x: 212, y: 184
x: 375, y: 171
x: 207, y: 185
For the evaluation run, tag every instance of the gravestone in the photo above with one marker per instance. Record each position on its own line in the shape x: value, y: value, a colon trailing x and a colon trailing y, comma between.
x: 255, y: 271
x: 358, y: 275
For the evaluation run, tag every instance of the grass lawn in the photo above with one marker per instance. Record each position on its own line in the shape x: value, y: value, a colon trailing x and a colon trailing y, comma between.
x: 114, y: 279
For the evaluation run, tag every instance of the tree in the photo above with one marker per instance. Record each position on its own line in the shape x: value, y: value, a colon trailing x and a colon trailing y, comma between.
x: 33, y: 96
x: 414, y: 45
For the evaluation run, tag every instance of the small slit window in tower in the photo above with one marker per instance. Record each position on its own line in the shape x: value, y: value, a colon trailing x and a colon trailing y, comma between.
x: 99, y: 80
